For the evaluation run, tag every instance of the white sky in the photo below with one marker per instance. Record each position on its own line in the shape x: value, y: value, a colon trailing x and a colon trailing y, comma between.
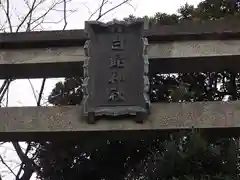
x: 20, y: 92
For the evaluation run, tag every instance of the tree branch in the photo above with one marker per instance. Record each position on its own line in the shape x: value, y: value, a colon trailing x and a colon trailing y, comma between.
x: 29, y: 12
x: 41, y: 92
x: 55, y: 22
x: 8, y: 16
x: 65, y: 14
x: 2, y: 160
x: 89, y: 11
x: 22, y: 164
x: 104, y: 2
x: 5, y: 88
x: 30, y: 16
x: 7, y: 98
x: 111, y: 9
x: 51, y: 8
x: 101, y: 6
x: 30, y: 167
x: 7, y: 13
x: 33, y: 90
x: 3, y: 85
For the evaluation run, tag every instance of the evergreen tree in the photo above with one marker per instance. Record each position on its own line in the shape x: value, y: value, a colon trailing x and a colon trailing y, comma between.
x: 179, y: 156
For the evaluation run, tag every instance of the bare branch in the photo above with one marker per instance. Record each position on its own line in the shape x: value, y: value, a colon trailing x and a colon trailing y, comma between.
x: 29, y: 20
x: 7, y: 97
x: 41, y: 92
x: 30, y: 166
x: 7, y: 13
x: 65, y: 14
x: 8, y: 16
x: 104, y: 2
x: 51, y: 7
x: 49, y: 22
x: 29, y: 12
x: 22, y: 164
x: 5, y: 88
x: 2, y: 27
x: 30, y: 15
x: 2, y: 160
x: 33, y: 90
x: 62, y: 10
x: 101, y: 7
x: 89, y: 11
x: 38, y: 24
x: 111, y: 9
x: 134, y: 8
x: 3, y: 85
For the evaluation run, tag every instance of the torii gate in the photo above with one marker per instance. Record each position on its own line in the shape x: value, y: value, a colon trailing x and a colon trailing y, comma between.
x: 186, y: 47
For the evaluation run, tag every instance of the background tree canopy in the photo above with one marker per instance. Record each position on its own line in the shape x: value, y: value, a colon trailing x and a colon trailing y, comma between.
x: 183, y: 156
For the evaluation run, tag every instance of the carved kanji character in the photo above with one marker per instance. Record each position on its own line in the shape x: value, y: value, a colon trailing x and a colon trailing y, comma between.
x: 113, y: 62
x: 117, y: 44
x: 116, y: 95
x: 113, y: 79
x: 120, y: 61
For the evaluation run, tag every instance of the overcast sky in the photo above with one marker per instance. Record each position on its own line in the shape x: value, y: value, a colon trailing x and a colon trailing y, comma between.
x: 20, y: 92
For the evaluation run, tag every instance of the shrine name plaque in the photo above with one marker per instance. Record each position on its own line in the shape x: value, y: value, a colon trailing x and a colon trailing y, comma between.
x: 115, y: 70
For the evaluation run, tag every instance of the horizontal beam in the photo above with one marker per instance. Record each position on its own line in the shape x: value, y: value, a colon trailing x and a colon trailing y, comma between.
x: 228, y: 28
x: 168, y: 57
x: 197, y: 48
x: 29, y: 121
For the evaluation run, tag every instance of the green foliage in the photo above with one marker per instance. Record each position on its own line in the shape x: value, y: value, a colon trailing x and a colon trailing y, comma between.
x: 181, y: 156
x: 188, y: 157
x: 67, y: 93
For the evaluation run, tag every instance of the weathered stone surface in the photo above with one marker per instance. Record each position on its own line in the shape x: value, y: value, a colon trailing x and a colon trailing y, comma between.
x: 168, y: 57
x: 177, y: 49
x: 163, y: 116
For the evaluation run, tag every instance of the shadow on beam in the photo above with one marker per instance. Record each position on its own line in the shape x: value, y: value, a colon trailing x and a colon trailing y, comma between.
x: 41, y: 70
x: 195, y: 64
x: 157, y: 65
x: 84, y: 136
